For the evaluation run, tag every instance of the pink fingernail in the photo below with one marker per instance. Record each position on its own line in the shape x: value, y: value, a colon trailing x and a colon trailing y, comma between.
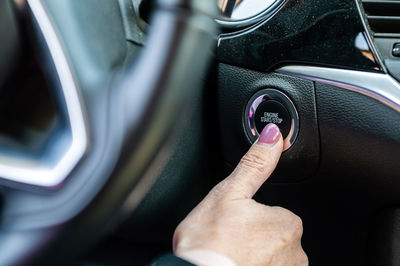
x: 270, y: 134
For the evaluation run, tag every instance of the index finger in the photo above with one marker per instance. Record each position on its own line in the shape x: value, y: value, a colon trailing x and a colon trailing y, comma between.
x: 257, y: 164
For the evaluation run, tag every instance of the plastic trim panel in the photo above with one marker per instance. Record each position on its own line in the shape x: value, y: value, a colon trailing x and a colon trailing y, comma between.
x: 380, y: 87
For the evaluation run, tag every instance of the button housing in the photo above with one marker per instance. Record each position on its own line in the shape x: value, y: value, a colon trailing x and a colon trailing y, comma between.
x: 271, y: 105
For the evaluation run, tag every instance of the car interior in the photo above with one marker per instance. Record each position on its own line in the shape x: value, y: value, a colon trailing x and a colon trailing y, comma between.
x: 119, y: 116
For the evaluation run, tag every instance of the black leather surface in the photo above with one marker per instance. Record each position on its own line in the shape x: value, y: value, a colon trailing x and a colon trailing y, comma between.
x: 359, y: 134
x: 235, y: 88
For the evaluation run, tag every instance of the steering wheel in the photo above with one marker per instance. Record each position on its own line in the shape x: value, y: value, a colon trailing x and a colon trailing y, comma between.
x: 115, y: 128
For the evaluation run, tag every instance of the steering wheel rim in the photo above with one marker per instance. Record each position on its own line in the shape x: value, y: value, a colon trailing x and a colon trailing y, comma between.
x: 131, y: 120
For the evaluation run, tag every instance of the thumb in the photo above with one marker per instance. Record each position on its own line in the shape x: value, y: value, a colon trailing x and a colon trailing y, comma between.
x: 257, y: 164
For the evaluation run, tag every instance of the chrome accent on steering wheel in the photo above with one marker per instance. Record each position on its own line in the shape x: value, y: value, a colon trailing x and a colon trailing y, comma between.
x: 381, y: 87
x: 41, y: 170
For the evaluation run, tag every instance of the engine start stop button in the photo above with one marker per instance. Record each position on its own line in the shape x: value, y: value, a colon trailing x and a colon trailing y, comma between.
x: 271, y: 106
x: 272, y: 111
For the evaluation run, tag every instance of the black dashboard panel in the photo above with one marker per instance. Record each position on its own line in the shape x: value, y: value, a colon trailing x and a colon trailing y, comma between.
x: 318, y: 32
x: 342, y: 171
x: 235, y: 88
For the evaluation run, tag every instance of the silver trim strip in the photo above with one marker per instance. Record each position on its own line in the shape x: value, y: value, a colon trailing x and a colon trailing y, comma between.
x: 380, y: 87
x: 38, y: 171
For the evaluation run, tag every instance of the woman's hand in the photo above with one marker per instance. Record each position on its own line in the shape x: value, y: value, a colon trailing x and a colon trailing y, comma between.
x: 229, y: 222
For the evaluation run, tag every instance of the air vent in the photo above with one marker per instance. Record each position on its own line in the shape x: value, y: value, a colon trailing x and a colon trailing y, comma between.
x: 383, y: 17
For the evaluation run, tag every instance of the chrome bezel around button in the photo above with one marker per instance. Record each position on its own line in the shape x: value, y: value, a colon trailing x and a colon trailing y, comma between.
x: 256, y: 100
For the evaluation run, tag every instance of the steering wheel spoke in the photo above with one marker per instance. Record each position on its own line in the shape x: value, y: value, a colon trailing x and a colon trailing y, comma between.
x: 49, y: 165
x: 116, y: 118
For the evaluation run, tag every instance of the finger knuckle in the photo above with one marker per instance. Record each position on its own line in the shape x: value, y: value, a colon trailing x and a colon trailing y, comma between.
x: 285, y: 214
x: 297, y: 223
x: 294, y: 224
x: 176, y: 239
x: 179, y: 231
x: 302, y: 258
x: 254, y: 160
x: 295, y: 227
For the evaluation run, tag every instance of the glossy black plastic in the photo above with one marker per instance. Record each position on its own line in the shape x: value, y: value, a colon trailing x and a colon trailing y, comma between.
x: 319, y: 32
